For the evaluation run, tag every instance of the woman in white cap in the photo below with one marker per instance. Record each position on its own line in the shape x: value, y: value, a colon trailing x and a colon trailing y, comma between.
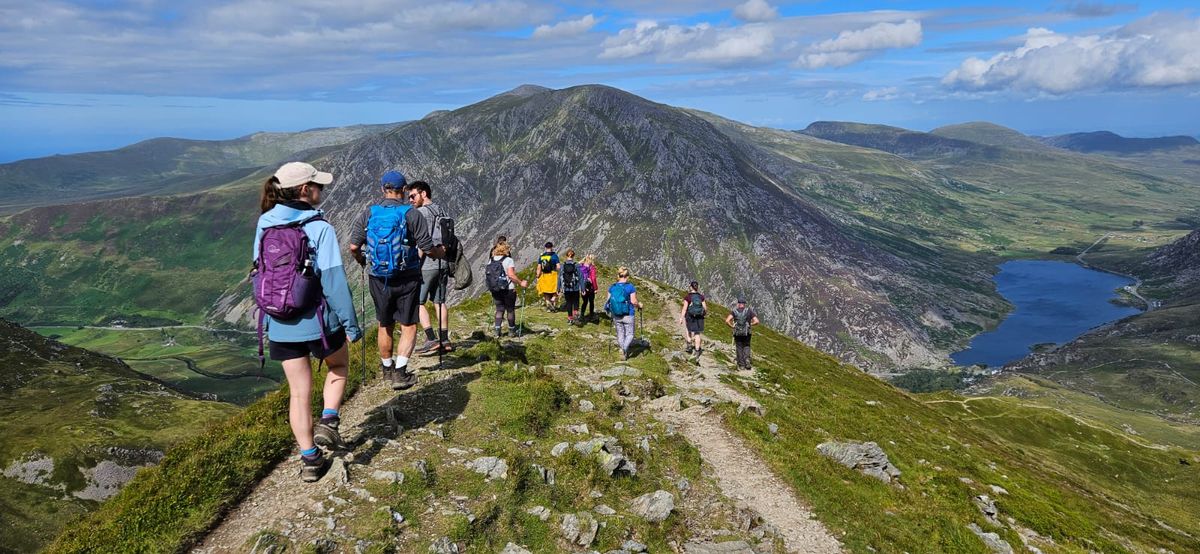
x: 319, y: 330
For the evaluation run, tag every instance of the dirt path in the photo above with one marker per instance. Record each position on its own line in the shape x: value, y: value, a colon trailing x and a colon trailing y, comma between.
x: 281, y: 501
x: 739, y: 472
x: 743, y: 476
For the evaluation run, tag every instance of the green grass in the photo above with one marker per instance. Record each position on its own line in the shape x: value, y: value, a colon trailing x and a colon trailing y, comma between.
x: 171, y: 504
x: 227, y: 361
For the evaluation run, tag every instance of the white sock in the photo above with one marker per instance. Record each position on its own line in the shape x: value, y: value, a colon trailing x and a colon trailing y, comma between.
x: 401, y: 361
x: 387, y: 362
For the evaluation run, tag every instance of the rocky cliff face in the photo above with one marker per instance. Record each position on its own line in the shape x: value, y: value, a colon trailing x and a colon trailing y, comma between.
x: 1176, y: 265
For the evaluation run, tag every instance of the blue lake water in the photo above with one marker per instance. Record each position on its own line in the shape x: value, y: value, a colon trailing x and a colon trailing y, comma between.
x: 1055, y: 302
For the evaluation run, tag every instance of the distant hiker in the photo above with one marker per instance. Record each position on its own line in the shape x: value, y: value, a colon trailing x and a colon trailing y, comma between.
x: 394, y: 236
x: 570, y: 284
x: 435, y: 273
x: 621, y: 305
x: 695, y: 309
x: 547, y: 277
x: 301, y: 288
x: 741, y: 319
x: 588, y: 271
x: 501, y: 277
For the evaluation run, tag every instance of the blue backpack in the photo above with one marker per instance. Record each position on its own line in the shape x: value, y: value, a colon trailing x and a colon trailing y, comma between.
x: 618, y: 300
x: 388, y: 244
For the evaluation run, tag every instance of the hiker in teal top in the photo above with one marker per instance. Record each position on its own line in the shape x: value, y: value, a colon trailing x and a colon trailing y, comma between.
x: 288, y: 197
x: 621, y: 305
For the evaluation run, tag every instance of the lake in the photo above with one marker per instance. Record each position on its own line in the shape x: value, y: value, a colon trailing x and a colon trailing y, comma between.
x: 1054, y: 303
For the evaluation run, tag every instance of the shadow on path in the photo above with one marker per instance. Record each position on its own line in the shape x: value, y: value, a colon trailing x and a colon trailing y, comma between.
x: 441, y: 400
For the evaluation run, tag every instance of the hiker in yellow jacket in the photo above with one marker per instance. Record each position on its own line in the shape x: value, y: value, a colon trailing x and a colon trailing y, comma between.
x: 547, y: 277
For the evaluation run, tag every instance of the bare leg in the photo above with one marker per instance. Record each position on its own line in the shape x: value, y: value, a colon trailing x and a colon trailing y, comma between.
x: 408, y: 340
x: 385, y: 340
x: 423, y: 316
x: 299, y: 378
x: 335, y: 380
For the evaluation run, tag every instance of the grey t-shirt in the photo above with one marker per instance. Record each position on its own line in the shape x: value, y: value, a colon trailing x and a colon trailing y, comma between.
x: 431, y: 212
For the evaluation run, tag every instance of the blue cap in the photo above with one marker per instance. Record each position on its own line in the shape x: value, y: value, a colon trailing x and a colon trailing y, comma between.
x: 393, y: 180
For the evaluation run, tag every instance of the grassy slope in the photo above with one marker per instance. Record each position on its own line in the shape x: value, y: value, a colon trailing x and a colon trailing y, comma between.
x: 161, y: 257
x: 1078, y: 484
x: 52, y: 403
x: 227, y: 360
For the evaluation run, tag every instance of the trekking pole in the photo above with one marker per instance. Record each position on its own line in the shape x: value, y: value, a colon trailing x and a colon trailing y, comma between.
x: 445, y: 293
x: 362, y: 296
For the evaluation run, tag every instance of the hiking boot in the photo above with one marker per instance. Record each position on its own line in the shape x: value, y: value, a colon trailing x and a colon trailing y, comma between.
x: 428, y: 346
x: 690, y: 349
x: 325, y: 434
x: 313, y: 470
x: 402, y: 379
x: 624, y: 354
x: 500, y: 333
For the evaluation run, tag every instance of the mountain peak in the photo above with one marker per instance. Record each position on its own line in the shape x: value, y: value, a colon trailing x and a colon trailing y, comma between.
x: 527, y: 90
x: 1108, y: 141
x: 984, y: 132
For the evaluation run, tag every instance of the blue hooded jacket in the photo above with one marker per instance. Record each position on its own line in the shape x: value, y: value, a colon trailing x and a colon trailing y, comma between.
x: 339, y: 305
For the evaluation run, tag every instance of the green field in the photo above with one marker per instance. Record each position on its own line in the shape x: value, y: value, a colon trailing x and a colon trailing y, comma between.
x: 222, y: 363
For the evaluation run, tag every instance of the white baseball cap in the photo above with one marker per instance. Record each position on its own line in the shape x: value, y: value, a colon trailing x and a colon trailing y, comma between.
x: 294, y: 174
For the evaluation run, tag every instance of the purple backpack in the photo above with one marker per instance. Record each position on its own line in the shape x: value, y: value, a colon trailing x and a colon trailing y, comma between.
x: 286, y: 285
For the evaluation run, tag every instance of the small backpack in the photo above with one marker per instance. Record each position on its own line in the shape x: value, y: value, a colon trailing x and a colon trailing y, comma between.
x: 547, y: 263
x: 588, y: 273
x: 388, y: 244
x: 695, y: 305
x: 741, y: 322
x: 496, y: 277
x: 618, y: 300
x: 570, y: 276
x: 442, y: 233
x: 286, y: 285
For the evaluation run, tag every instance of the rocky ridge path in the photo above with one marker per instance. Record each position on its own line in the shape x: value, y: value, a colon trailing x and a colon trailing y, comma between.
x: 390, y: 433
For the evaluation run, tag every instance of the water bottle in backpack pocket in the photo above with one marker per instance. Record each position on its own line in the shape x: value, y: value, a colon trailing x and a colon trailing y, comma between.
x: 388, y: 245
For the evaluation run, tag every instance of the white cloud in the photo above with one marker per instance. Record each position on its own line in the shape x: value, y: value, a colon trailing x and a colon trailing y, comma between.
x: 696, y: 43
x: 1157, y: 51
x: 736, y: 45
x: 564, y: 29
x: 885, y: 93
x: 852, y: 46
x: 755, y: 11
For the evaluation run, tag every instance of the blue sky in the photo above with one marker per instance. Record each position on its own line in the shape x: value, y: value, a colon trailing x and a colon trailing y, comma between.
x: 79, y: 76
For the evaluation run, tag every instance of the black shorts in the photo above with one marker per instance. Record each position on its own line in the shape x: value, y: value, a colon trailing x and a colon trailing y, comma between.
x: 283, y: 351
x: 396, y: 299
x: 694, y: 324
x: 505, y: 300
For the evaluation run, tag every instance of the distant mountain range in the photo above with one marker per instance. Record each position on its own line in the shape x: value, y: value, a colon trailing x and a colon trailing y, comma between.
x: 872, y: 243
x: 1106, y: 141
x: 159, y: 166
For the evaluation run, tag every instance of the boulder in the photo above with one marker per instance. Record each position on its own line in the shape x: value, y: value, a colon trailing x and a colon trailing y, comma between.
x: 540, y: 512
x: 865, y: 457
x: 988, y: 507
x: 579, y: 528
x: 560, y: 449
x: 669, y: 403
x: 586, y: 406
x: 490, y: 466
x: 654, y: 506
x: 443, y: 546
x: 731, y: 547
x: 993, y: 541
x: 512, y: 548
x: 389, y: 476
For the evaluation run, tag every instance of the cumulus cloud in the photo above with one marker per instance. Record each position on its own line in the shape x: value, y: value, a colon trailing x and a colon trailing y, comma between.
x: 853, y: 46
x: 696, y: 43
x: 1158, y: 51
x: 885, y: 93
x: 755, y: 11
x: 564, y: 29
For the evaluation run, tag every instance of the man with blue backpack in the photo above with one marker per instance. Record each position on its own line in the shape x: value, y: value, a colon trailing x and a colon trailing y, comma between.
x: 621, y: 303
x: 389, y: 240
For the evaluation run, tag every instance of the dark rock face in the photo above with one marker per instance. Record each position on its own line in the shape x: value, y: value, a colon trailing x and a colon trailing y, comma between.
x: 669, y: 194
x: 1177, y: 263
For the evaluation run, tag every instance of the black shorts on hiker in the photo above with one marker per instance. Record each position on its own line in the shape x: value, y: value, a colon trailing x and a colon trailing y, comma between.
x: 694, y: 324
x: 396, y: 299
x: 283, y: 351
x: 505, y: 300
